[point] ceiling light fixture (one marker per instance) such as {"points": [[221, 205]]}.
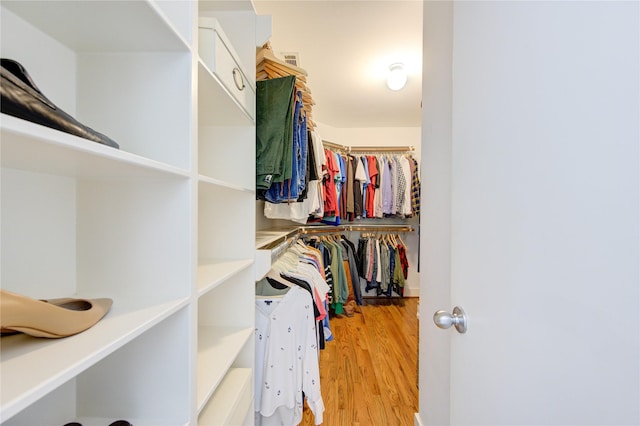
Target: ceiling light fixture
{"points": [[397, 76]]}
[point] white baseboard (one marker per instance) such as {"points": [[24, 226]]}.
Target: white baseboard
{"points": [[416, 420], [411, 292]]}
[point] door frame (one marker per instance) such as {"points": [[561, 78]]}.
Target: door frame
{"points": [[435, 232]]}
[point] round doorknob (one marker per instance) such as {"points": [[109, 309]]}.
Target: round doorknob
{"points": [[458, 319]]}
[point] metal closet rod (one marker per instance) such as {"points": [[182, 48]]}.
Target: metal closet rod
{"points": [[348, 228], [283, 246], [283, 243], [362, 149], [292, 235]]}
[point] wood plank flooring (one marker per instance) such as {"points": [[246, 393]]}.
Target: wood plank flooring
{"points": [[368, 373]]}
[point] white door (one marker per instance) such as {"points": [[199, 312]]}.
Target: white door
{"points": [[531, 184]]}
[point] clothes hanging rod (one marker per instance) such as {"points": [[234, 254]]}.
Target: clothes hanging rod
{"points": [[351, 228], [363, 149], [381, 229], [290, 236], [382, 149], [335, 146], [278, 250], [280, 245], [282, 239]]}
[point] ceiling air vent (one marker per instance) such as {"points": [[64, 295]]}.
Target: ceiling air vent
{"points": [[292, 58]]}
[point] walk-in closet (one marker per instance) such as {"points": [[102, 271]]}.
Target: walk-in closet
{"points": [[344, 223], [157, 268], [256, 212]]}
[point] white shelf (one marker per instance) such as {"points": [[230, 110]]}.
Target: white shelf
{"points": [[102, 26], [32, 147], [164, 225], [231, 402], [217, 350], [32, 367], [212, 272], [264, 238], [102, 421], [217, 183]]}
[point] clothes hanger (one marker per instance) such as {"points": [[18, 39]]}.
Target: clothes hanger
{"points": [[305, 248], [296, 249], [275, 275], [285, 262]]}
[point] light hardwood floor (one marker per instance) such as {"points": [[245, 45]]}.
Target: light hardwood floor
{"points": [[368, 373]]}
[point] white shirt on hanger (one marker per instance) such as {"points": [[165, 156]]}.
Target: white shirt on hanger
{"points": [[286, 359]]}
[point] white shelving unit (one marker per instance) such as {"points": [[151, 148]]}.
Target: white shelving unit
{"points": [[165, 226]]}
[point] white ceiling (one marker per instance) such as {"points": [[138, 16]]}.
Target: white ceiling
{"points": [[346, 47]]}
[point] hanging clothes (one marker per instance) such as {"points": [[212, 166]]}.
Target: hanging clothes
{"points": [[274, 130], [310, 203], [287, 367], [323, 185], [383, 264], [340, 288], [353, 268], [387, 185], [329, 185], [291, 187], [350, 190], [360, 179], [340, 256], [373, 186], [291, 327], [404, 202], [365, 186], [415, 187]]}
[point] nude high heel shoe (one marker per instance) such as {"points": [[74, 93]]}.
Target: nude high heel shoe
{"points": [[53, 318]]}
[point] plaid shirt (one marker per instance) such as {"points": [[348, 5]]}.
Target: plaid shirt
{"points": [[415, 189]]}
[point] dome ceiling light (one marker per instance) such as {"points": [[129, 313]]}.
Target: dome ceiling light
{"points": [[397, 78]]}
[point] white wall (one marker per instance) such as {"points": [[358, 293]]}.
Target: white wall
{"points": [[373, 136]]}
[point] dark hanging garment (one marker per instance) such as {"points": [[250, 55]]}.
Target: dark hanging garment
{"points": [[350, 192], [274, 130], [357, 191], [343, 188], [353, 270], [415, 187], [312, 161]]}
